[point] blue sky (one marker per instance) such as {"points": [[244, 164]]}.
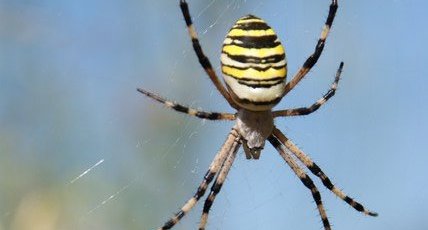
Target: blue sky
{"points": [[68, 74]]}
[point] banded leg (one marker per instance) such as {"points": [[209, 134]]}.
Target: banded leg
{"points": [[187, 110], [203, 60], [305, 159], [218, 183], [216, 164], [306, 180], [314, 107], [310, 62]]}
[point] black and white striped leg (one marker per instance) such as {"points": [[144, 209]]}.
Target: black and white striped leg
{"points": [[307, 161], [203, 60], [183, 109], [314, 107], [218, 183], [306, 180], [215, 166], [310, 62]]}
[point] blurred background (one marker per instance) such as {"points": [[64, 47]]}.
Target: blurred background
{"points": [[80, 148]]}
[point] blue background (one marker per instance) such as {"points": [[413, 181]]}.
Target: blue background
{"points": [[68, 74]]}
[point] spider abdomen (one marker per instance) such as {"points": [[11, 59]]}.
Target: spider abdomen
{"points": [[253, 64]]}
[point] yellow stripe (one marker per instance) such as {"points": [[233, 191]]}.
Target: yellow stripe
{"points": [[253, 52], [251, 33], [254, 74], [249, 20]]}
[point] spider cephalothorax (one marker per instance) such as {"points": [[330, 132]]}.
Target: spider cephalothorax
{"points": [[254, 128], [254, 69]]}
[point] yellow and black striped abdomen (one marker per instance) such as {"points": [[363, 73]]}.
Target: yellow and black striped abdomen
{"points": [[253, 64]]}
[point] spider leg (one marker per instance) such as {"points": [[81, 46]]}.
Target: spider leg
{"points": [[306, 180], [314, 107], [310, 62], [203, 60], [215, 188], [305, 159], [192, 112], [215, 166]]}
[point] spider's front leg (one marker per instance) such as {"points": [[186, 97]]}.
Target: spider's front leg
{"points": [[314, 107], [187, 110], [312, 60], [203, 59]]}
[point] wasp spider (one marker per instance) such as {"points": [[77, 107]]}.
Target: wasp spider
{"points": [[254, 69]]}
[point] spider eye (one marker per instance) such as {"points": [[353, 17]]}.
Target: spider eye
{"points": [[253, 64]]}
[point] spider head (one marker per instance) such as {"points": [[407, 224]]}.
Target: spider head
{"points": [[253, 64]]}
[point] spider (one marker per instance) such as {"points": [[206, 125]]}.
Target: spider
{"points": [[254, 69]]}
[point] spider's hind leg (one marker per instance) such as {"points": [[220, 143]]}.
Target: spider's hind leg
{"points": [[218, 183], [306, 180], [214, 168], [307, 161]]}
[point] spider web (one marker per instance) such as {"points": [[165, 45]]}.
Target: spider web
{"points": [[177, 149], [233, 202], [188, 152], [108, 158], [81, 149]]}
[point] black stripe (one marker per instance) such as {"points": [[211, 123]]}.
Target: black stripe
{"points": [[249, 16], [306, 180], [266, 38], [325, 222], [168, 225], [354, 204], [251, 43], [201, 56], [185, 9], [257, 67], [268, 41], [180, 108], [209, 175], [215, 189], [210, 116], [310, 62], [200, 114], [259, 85], [316, 194], [207, 205], [201, 191], [251, 26], [256, 60], [261, 80], [250, 79], [180, 214], [274, 141], [331, 14], [247, 101], [317, 171]]}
